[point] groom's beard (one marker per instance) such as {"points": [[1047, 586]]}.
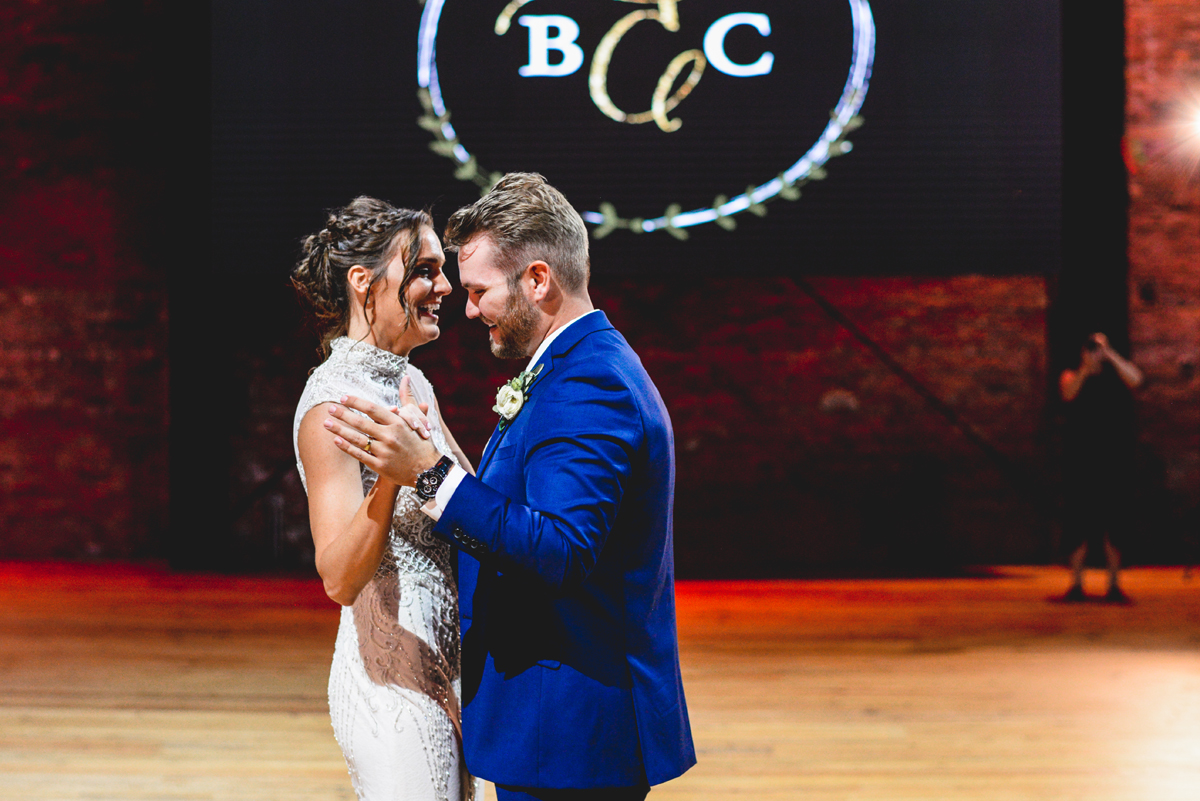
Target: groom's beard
{"points": [[515, 327]]}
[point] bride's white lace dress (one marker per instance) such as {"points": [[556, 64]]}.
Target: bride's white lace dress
{"points": [[394, 683]]}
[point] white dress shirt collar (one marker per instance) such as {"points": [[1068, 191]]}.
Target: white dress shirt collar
{"points": [[546, 342]]}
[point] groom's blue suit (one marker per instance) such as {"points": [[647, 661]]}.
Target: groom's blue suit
{"points": [[566, 579]]}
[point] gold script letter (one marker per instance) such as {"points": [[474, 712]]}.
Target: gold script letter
{"points": [[667, 15]]}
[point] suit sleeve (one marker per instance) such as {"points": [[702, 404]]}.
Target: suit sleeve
{"points": [[579, 458]]}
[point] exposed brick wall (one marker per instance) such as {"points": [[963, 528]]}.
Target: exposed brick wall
{"points": [[852, 467], [83, 375], [83, 367], [1163, 80]]}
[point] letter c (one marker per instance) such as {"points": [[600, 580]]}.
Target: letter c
{"points": [[714, 45], [541, 43]]}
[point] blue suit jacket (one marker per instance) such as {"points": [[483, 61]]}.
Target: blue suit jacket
{"points": [[566, 579]]}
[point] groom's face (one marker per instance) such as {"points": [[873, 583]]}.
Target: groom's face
{"points": [[510, 316]]}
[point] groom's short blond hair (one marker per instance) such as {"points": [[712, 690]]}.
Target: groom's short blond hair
{"points": [[527, 220]]}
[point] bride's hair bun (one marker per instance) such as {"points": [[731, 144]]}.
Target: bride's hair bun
{"points": [[367, 232]]}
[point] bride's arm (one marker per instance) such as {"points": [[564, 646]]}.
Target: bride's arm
{"points": [[350, 531], [463, 461]]}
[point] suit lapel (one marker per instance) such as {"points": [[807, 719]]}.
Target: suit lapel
{"points": [[569, 338], [498, 434], [490, 449]]}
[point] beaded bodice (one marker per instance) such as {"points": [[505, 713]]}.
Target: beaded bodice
{"points": [[356, 368], [406, 618]]}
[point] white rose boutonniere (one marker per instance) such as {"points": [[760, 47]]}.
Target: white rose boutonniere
{"points": [[511, 396], [508, 402]]}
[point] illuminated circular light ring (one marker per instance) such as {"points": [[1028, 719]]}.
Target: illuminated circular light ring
{"points": [[843, 119]]}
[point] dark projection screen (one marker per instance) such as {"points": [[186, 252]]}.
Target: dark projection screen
{"points": [[693, 135]]}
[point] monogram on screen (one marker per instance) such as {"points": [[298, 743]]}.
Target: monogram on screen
{"points": [[554, 52]]}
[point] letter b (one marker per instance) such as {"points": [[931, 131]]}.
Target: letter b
{"points": [[541, 43]]}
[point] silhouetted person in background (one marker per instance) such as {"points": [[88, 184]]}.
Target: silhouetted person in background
{"points": [[1098, 457]]}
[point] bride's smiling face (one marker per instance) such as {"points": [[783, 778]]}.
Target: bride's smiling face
{"points": [[393, 327]]}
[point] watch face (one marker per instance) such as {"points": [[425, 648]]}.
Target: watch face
{"points": [[427, 486], [429, 481]]}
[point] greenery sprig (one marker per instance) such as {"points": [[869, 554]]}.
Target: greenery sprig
{"points": [[471, 171]]}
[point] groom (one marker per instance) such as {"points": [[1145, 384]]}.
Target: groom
{"points": [[571, 682]]}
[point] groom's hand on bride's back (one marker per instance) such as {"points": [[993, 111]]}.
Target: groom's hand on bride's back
{"points": [[394, 442]]}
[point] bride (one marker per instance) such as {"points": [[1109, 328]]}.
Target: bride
{"points": [[373, 277]]}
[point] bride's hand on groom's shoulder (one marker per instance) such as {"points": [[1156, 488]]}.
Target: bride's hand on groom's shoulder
{"points": [[394, 442]]}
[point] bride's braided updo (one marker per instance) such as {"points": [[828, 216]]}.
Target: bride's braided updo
{"points": [[368, 232]]}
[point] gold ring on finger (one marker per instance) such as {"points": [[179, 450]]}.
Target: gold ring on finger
{"points": [[367, 447]]}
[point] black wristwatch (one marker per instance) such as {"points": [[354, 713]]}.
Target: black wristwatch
{"points": [[429, 481]]}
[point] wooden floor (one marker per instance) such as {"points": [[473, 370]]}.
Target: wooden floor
{"points": [[131, 683]]}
